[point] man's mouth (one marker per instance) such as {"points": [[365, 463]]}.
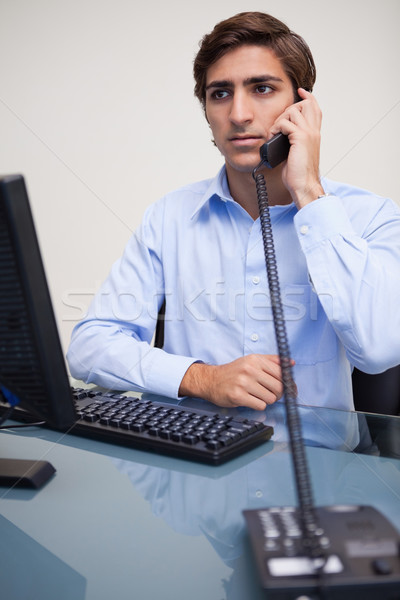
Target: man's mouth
{"points": [[245, 140]]}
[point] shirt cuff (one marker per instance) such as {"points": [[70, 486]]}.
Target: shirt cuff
{"points": [[166, 371], [321, 220]]}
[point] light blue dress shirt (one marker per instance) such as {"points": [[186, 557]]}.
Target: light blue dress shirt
{"points": [[339, 268]]}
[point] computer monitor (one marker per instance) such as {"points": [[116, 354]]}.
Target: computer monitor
{"points": [[32, 365]]}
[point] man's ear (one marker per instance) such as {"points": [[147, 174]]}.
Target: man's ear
{"points": [[296, 95]]}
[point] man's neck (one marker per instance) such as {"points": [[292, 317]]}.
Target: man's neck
{"points": [[243, 189]]}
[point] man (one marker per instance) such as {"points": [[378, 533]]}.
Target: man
{"points": [[200, 249]]}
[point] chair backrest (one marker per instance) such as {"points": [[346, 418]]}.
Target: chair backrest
{"points": [[378, 393], [159, 337]]}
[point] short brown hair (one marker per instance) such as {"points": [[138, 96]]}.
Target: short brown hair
{"points": [[260, 29]]}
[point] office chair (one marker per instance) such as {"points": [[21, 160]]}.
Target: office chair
{"points": [[378, 393], [159, 335]]}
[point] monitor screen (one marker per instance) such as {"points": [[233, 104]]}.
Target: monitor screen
{"points": [[32, 366]]}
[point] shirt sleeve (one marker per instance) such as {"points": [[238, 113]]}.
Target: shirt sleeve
{"points": [[353, 259], [112, 346]]}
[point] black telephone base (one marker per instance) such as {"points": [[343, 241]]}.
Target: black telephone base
{"points": [[361, 549]]}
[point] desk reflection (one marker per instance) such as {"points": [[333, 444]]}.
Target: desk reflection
{"points": [[193, 504]]}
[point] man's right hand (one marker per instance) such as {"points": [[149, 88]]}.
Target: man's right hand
{"points": [[254, 381]]}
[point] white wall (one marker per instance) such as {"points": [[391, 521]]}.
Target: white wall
{"points": [[97, 111]]}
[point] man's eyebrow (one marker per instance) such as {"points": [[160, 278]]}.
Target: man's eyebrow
{"points": [[227, 83], [262, 79], [222, 83]]}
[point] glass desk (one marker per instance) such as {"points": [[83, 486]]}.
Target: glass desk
{"points": [[120, 523]]}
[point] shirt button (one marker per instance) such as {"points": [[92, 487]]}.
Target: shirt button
{"points": [[256, 279], [259, 494], [304, 229], [254, 337]]}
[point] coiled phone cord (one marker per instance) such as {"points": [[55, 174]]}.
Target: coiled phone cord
{"points": [[308, 516]]}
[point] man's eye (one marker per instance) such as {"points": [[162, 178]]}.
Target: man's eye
{"points": [[220, 94], [263, 89]]}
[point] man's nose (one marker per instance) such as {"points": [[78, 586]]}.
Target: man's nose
{"points": [[241, 110]]}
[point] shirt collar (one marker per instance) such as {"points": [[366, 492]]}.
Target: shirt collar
{"points": [[218, 187]]}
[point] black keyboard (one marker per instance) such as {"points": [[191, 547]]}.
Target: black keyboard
{"points": [[165, 428]]}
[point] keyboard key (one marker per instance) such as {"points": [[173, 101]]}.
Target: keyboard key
{"points": [[138, 427], [226, 440], [213, 444], [153, 431], [190, 439]]}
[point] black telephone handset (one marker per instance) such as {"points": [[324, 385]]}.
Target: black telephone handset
{"points": [[275, 151]]}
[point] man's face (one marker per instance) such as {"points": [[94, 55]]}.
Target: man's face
{"points": [[246, 90]]}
